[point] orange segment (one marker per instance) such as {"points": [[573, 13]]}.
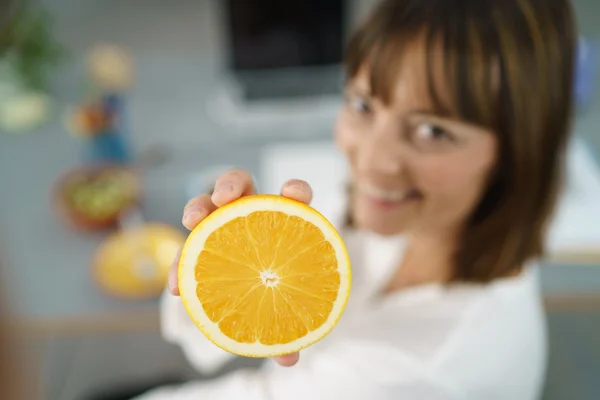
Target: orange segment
{"points": [[265, 275]]}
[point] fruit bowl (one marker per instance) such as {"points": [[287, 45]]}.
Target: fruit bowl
{"points": [[96, 196]]}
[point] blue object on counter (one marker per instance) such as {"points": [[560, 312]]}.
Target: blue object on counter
{"points": [[113, 145], [108, 147], [585, 66]]}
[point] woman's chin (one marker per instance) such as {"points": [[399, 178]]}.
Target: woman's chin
{"points": [[385, 220], [380, 226]]}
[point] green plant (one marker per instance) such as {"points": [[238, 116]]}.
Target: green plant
{"points": [[28, 46]]}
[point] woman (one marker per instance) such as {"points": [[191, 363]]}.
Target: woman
{"points": [[454, 125]]}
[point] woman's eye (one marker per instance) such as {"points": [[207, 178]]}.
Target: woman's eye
{"points": [[432, 132], [432, 138], [359, 104]]}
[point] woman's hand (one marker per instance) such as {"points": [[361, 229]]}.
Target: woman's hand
{"points": [[229, 187]]}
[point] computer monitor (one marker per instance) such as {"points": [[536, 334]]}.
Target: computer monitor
{"points": [[285, 48]]}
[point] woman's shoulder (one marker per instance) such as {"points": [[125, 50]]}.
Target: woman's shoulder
{"points": [[429, 320], [465, 333], [503, 333]]}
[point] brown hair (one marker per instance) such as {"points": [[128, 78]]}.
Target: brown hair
{"points": [[508, 66]]}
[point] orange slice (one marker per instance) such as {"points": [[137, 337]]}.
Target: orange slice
{"points": [[264, 276]]}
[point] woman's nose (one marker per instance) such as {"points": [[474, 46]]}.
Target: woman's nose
{"points": [[379, 152]]}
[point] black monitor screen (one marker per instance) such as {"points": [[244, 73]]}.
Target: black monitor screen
{"points": [[267, 34]]}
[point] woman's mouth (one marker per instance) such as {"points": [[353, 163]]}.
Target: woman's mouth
{"points": [[388, 198]]}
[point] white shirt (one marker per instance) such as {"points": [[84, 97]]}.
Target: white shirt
{"points": [[429, 342]]}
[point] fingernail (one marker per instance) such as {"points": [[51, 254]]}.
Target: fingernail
{"points": [[226, 187], [294, 186], [193, 209], [193, 216]]}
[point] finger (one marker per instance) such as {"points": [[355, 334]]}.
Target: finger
{"points": [[231, 186], [288, 360], [196, 210], [297, 189], [173, 281]]}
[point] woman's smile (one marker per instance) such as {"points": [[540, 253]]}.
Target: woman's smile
{"points": [[384, 198]]}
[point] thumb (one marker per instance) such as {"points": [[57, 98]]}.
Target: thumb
{"points": [[288, 360]]}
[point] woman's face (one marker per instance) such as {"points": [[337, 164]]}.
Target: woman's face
{"points": [[411, 169]]}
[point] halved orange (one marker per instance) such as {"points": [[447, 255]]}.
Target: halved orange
{"points": [[264, 276]]}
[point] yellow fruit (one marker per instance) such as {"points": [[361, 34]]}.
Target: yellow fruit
{"points": [[134, 262], [264, 276]]}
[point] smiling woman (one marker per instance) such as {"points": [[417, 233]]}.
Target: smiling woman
{"points": [[454, 127], [469, 119]]}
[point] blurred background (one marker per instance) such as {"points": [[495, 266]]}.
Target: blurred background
{"points": [[114, 113]]}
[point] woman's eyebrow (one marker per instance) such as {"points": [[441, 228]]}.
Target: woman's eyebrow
{"points": [[433, 114], [424, 113]]}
